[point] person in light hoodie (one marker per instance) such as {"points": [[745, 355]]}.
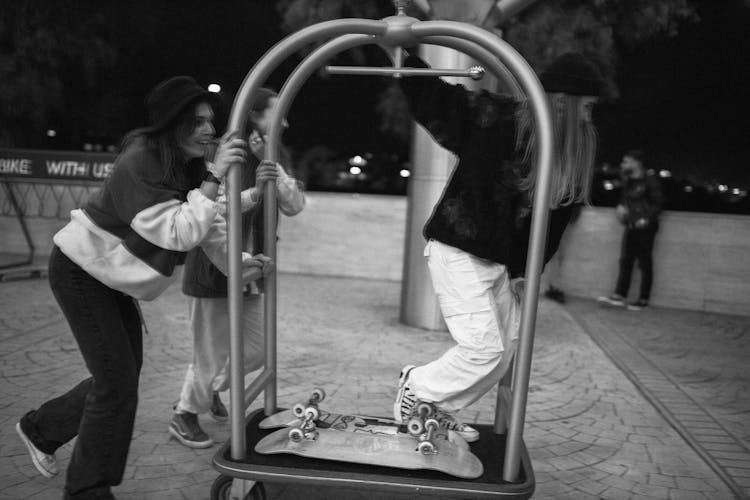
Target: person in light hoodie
{"points": [[206, 288], [126, 244]]}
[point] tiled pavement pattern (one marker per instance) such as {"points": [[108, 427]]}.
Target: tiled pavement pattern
{"points": [[590, 431], [693, 368]]}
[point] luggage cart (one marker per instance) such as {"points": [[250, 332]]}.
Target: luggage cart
{"points": [[508, 472]]}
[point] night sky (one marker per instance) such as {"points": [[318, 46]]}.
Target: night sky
{"points": [[683, 100], [686, 100]]}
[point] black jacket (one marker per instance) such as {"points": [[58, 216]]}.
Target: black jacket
{"points": [[481, 211]]}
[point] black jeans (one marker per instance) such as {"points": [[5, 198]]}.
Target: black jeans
{"points": [[100, 410], [637, 244]]}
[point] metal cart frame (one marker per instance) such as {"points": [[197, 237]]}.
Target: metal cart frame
{"points": [[391, 33]]}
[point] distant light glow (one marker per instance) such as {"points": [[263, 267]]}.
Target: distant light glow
{"points": [[723, 188], [357, 161], [51, 133], [665, 173], [688, 189], [608, 185], [736, 191], [355, 170], [215, 88], [404, 173]]}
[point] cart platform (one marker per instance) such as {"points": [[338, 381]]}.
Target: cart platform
{"points": [[285, 468]]}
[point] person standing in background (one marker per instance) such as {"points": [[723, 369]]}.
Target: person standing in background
{"points": [[640, 205]]}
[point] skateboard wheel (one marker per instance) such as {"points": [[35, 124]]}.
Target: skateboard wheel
{"points": [[424, 410], [318, 395], [415, 426], [431, 424], [311, 413], [426, 448], [298, 410], [296, 435]]}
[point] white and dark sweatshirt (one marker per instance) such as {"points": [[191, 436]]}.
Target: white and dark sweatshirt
{"points": [[137, 229]]}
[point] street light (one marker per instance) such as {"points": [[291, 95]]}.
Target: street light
{"points": [[215, 88]]}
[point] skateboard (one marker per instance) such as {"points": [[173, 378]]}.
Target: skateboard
{"points": [[420, 444], [356, 423]]}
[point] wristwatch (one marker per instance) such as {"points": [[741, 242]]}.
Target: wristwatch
{"points": [[210, 177]]}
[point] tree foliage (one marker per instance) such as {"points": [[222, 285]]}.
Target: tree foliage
{"points": [[597, 28], [52, 55], [545, 30]]}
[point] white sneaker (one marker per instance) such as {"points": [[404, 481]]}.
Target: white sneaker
{"points": [[45, 464], [405, 399], [447, 419], [613, 300]]}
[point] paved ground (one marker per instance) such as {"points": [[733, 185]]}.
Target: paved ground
{"points": [[621, 404]]}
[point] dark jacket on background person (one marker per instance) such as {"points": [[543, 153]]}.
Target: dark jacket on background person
{"points": [[643, 199], [481, 211]]}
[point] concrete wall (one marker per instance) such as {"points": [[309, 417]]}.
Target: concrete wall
{"points": [[701, 261]]}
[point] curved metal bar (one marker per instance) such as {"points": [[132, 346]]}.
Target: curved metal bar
{"points": [[473, 73], [480, 54], [532, 88], [237, 122], [422, 31]]}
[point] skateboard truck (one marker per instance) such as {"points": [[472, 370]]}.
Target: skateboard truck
{"points": [[423, 426], [308, 414]]}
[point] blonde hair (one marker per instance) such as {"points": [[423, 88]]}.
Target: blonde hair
{"points": [[573, 156]]}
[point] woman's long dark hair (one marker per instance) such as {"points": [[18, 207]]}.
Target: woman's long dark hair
{"points": [[179, 173]]}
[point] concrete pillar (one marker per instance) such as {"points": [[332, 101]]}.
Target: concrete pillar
{"points": [[431, 168]]}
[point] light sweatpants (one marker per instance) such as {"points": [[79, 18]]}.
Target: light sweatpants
{"points": [[483, 316], [209, 322]]}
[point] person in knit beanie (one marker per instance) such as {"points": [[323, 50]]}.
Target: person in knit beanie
{"points": [[478, 233]]}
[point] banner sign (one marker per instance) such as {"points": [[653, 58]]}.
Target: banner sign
{"points": [[39, 164]]}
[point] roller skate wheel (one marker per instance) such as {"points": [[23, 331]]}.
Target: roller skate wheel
{"points": [[415, 426], [318, 395], [296, 435], [298, 410], [426, 448], [311, 413], [424, 410]]}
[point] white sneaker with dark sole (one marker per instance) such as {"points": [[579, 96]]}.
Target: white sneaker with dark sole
{"points": [[45, 464]]}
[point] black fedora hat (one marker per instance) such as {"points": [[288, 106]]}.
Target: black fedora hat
{"points": [[167, 100]]}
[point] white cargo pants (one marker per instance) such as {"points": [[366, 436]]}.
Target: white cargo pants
{"points": [[483, 316], [209, 322]]}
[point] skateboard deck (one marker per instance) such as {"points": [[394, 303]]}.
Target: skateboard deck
{"points": [[375, 449], [357, 423]]}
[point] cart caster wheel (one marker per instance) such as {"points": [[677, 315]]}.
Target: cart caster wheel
{"points": [[415, 426], [221, 489], [426, 448], [296, 435], [318, 395], [299, 410]]}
